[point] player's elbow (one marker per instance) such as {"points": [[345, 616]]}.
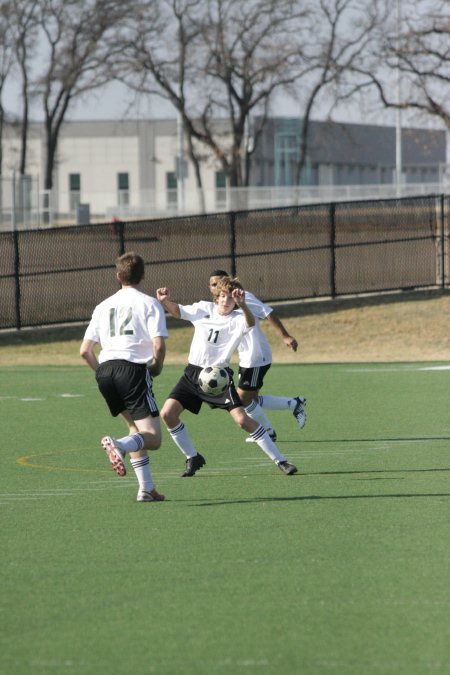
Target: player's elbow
{"points": [[84, 353], [85, 350]]}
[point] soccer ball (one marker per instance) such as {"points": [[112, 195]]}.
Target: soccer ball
{"points": [[213, 380]]}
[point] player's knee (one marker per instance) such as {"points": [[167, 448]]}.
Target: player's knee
{"points": [[168, 417], [246, 396], [154, 443], [241, 419]]}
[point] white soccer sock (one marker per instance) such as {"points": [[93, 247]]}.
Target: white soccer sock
{"points": [[275, 402], [130, 443], [141, 466], [266, 444], [255, 411], [181, 438]]}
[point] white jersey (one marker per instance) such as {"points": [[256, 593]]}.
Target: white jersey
{"points": [[216, 337], [254, 349], [125, 324]]}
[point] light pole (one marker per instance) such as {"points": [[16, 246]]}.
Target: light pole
{"points": [[398, 126], [180, 164]]}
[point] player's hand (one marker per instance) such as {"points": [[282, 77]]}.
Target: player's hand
{"points": [[162, 294], [291, 342], [153, 367], [238, 295]]}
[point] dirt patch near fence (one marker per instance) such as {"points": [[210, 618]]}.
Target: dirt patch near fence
{"points": [[397, 327]]}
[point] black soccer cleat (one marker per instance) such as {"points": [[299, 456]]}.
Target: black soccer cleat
{"points": [[288, 469], [193, 464]]}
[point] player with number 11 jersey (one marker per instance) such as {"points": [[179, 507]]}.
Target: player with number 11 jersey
{"points": [[216, 336]]}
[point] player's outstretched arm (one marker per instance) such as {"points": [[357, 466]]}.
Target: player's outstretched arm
{"points": [[238, 295], [163, 296], [288, 340]]}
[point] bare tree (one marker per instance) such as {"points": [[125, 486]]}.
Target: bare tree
{"points": [[221, 63], [253, 50], [24, 18], [6, 60], [341, 33], [215, 60], [422, 54], [412, 45], [159, 45], [77, 43]]}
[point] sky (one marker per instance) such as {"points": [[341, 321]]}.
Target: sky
{"points": [[116, 102]]}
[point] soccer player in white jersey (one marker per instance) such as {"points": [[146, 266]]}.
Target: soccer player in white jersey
{"points": [[255, 359], [131, 328], [218, 329]]}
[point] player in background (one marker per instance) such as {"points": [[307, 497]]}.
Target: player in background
{"points": [[218, 329], [131, 328], [255, 359]]}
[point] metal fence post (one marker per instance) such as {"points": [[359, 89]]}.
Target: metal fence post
{"points": [[13, 202], [121, 233], [446, 240], [232, 221], [17, 279], [442, 239], [333, 250]]}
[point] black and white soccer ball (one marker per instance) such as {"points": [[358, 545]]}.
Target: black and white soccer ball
{"points": [[213, 380]]}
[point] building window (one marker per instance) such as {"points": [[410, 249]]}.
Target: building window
{"points": [[171, 189], [287, 144], [26, 191], [74, 191], [123, 189], [221, 189]]}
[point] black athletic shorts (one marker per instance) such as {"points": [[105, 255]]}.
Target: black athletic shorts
{"points": [[188, 393], [127, 386], [251, 379]]}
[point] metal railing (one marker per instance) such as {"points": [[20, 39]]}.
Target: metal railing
{"points": [[24, 206]]}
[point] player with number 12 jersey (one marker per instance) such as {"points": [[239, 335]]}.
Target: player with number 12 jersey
{"points": [[125, 324]]}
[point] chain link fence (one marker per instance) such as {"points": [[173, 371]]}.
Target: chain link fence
{"points": [[55, 276]]}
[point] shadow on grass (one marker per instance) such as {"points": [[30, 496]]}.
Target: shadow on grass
{"points": [[364, 471], [307, 498], [399, 439]]}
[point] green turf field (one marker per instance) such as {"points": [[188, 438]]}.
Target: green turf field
{"points": [[342, 569]]}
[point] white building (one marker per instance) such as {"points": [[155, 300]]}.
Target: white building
{"points": [[128, 169]]}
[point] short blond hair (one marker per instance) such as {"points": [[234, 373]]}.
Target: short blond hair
{"points": [[227, 285]]}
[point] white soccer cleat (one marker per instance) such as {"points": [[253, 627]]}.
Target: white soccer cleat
{"points": [[149, 496], [299, 411], [114, 455]]}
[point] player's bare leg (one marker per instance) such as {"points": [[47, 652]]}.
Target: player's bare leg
{"points": [[171, 416], [262, 438]]}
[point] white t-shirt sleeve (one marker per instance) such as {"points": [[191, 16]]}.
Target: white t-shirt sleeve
{"points": [[196, 311], [256, 306], [156, 320], [93, 330]]}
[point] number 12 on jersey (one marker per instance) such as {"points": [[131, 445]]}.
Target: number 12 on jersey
{"points": [[120, 321]]}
